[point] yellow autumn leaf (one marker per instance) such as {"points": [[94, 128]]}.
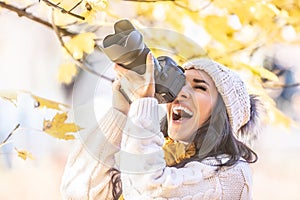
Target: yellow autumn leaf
{"points": [[227, 61], [169, 43], [249, 11], [42, 102], [8, 94], [294, 16], [222, 56], [97, 5], [283, 4], [59, 129], [81, 43], [144, 9], [175, 16], [24, 154], [240, 8], [221, 31], [297, 28], [89, 16], [262, 72], [66, 72], [263, 10], [279, 118]]}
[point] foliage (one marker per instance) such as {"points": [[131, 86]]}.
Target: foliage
{"points": [[22, 110], [232, 32], [58, 128], [24, 154]]}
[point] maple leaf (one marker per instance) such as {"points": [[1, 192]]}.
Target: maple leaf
{"points": [[58, 128], [24, 154], [98, 5], [42, 102], [261, 72], [81, 43], [12, 96], [66, 73]]}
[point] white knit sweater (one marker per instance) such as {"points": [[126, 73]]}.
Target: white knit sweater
{"points": [[141, 161]]}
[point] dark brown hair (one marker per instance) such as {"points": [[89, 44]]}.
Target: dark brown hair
{"points": [[214, 138]]}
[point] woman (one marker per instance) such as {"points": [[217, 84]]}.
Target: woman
{"points": [[202, 157]]}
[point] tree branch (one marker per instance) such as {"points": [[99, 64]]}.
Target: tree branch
{"points": [[22, 12], [69, 12], [77, 62], [281, 86]]}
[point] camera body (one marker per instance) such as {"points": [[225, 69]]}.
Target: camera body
{"points": [[126, 48]]}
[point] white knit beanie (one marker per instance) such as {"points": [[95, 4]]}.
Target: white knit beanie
{"points": [[231, 88]]}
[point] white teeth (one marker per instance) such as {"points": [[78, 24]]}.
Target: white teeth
{"points": [[176, 110]]}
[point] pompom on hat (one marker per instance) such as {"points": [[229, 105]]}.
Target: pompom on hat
{"points": [[240, 106]]}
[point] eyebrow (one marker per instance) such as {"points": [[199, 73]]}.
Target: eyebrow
{"points": [[200, 81]]}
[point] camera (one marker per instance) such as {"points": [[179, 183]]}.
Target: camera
{"points": [[127, 48]]}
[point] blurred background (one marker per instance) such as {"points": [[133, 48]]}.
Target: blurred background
{"points": [[31, 58]]}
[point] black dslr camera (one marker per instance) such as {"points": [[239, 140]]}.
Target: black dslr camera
{"points": [[126, 48]]}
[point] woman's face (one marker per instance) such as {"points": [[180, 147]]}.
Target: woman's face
{"points": [[192, 107]]}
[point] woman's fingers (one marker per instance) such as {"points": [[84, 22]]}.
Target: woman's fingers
{"points": [[150, 66], [120, 70], [136, 85], [116, 84]]}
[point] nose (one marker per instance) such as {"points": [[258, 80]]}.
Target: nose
{"points": [[184, 93]]}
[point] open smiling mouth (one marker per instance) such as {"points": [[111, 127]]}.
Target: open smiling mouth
{"points": [[180, 113]]}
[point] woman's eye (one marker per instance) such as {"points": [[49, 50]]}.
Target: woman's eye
{"points": [[200, 87]]}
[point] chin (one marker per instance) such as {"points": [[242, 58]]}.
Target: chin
{"points": [[177, 136]]}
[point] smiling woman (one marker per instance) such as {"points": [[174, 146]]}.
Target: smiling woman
{"points": [[192, 107], [196, 153]]}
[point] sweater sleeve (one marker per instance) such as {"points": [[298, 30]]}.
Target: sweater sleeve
{"points": [[144, 172], [86, 174]]}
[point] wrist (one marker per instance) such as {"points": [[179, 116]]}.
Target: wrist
{"points": [[122, 107], [144, 107]]}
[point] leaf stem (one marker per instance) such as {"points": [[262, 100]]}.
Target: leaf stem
{"points": [[10, 134]]}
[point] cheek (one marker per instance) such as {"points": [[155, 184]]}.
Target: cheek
{"points": [[204, 109], [168, 111]]}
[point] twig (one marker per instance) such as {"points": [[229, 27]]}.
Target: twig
{"points": [[76, 6], [77, 62], [10, 134], [280, 86], [22, 12], [69, 12], [29, 6]]}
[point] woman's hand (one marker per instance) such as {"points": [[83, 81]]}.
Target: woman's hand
{"points": [[119, 102], [135, 85]]}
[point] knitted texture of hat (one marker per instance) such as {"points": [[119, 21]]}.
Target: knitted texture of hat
{"points": [[231, 88]]}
